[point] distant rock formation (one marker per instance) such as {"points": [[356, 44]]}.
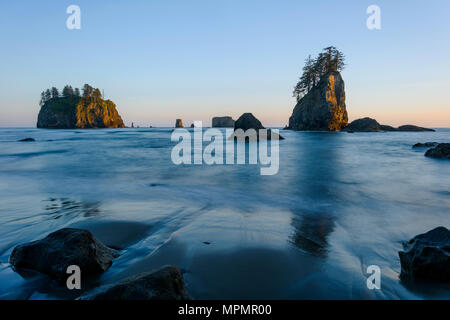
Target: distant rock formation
{"points": [[441, 151], [372, 125], [166, 283], [61, 249], [222, 122], [248, 121], [192, 125], [179, 123], [412, 128], [27, 140], [323, 107], [79, 112], [426, 256]]}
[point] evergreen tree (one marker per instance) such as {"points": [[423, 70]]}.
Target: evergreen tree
{"points": [[42, 101], [77, 92], [87, 91], [54, 92], [67, 91], [329, 60], [48, 95], [97, 94]]}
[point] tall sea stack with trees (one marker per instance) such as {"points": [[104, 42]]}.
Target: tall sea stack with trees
{"points": [[320, 94], [71, 110]]}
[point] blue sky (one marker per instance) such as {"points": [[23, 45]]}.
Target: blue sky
{"points": [[195, 59]]}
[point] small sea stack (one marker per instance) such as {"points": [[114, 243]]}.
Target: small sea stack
{"points": [[178, 123]]}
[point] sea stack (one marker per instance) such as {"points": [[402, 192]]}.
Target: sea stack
{"points": [[222, 122], [179, 123], [71, 112], [323, 107]]}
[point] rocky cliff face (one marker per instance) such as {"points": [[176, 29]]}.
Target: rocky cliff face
{"points": [[222, 122], [323, 107], [75, 112]]}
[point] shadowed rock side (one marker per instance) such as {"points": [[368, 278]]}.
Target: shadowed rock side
{"points": [[427, 256], [248, 121], [164, 284], [323, 107], [441, 151], [53, 254], [222, 122], [79, 112]]}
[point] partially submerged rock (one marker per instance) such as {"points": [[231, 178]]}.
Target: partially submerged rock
{"points": [[222, 122], [248, 121], [425, 145], [363, 125], [179, 123], [164, 284], [323, 107], [441, 151], [412, 128], [53, 254], [427, 256], [27, 140]]}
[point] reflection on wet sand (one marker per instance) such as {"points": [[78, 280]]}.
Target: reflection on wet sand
{"points": [[58, 208]]}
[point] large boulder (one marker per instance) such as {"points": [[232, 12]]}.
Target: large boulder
{"points": [[164, 284], [363, 125], [248, 121], [53, 254], [441, 151], [222, 122], [323, 107], [412, 128], [427, 256], [79, 112]]}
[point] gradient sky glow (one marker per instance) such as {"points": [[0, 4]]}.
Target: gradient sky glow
{"points": [[195, 59]]}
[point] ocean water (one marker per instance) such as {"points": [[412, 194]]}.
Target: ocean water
{"points": [[339, 203]]}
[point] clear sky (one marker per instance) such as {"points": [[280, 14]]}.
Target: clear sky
{"points": [[194, 59]]}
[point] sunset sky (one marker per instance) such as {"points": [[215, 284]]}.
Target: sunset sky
{"points": [[195, 59]]}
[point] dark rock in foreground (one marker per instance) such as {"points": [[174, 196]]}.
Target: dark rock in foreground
{"points": [[222, 122], [427, 256], [164, 284], [363, 125], [412, 128], [323, 107], [27, 140], [248, 121], [425, 145], [179, 123], [53, 254], [441, 151]]}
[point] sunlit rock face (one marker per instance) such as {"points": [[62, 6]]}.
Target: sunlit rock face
{"points": [[77, 112], [323, 107], [179, 123]]}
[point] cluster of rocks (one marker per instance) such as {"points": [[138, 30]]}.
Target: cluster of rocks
{"points": [[435, 149], [69, 246]]}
